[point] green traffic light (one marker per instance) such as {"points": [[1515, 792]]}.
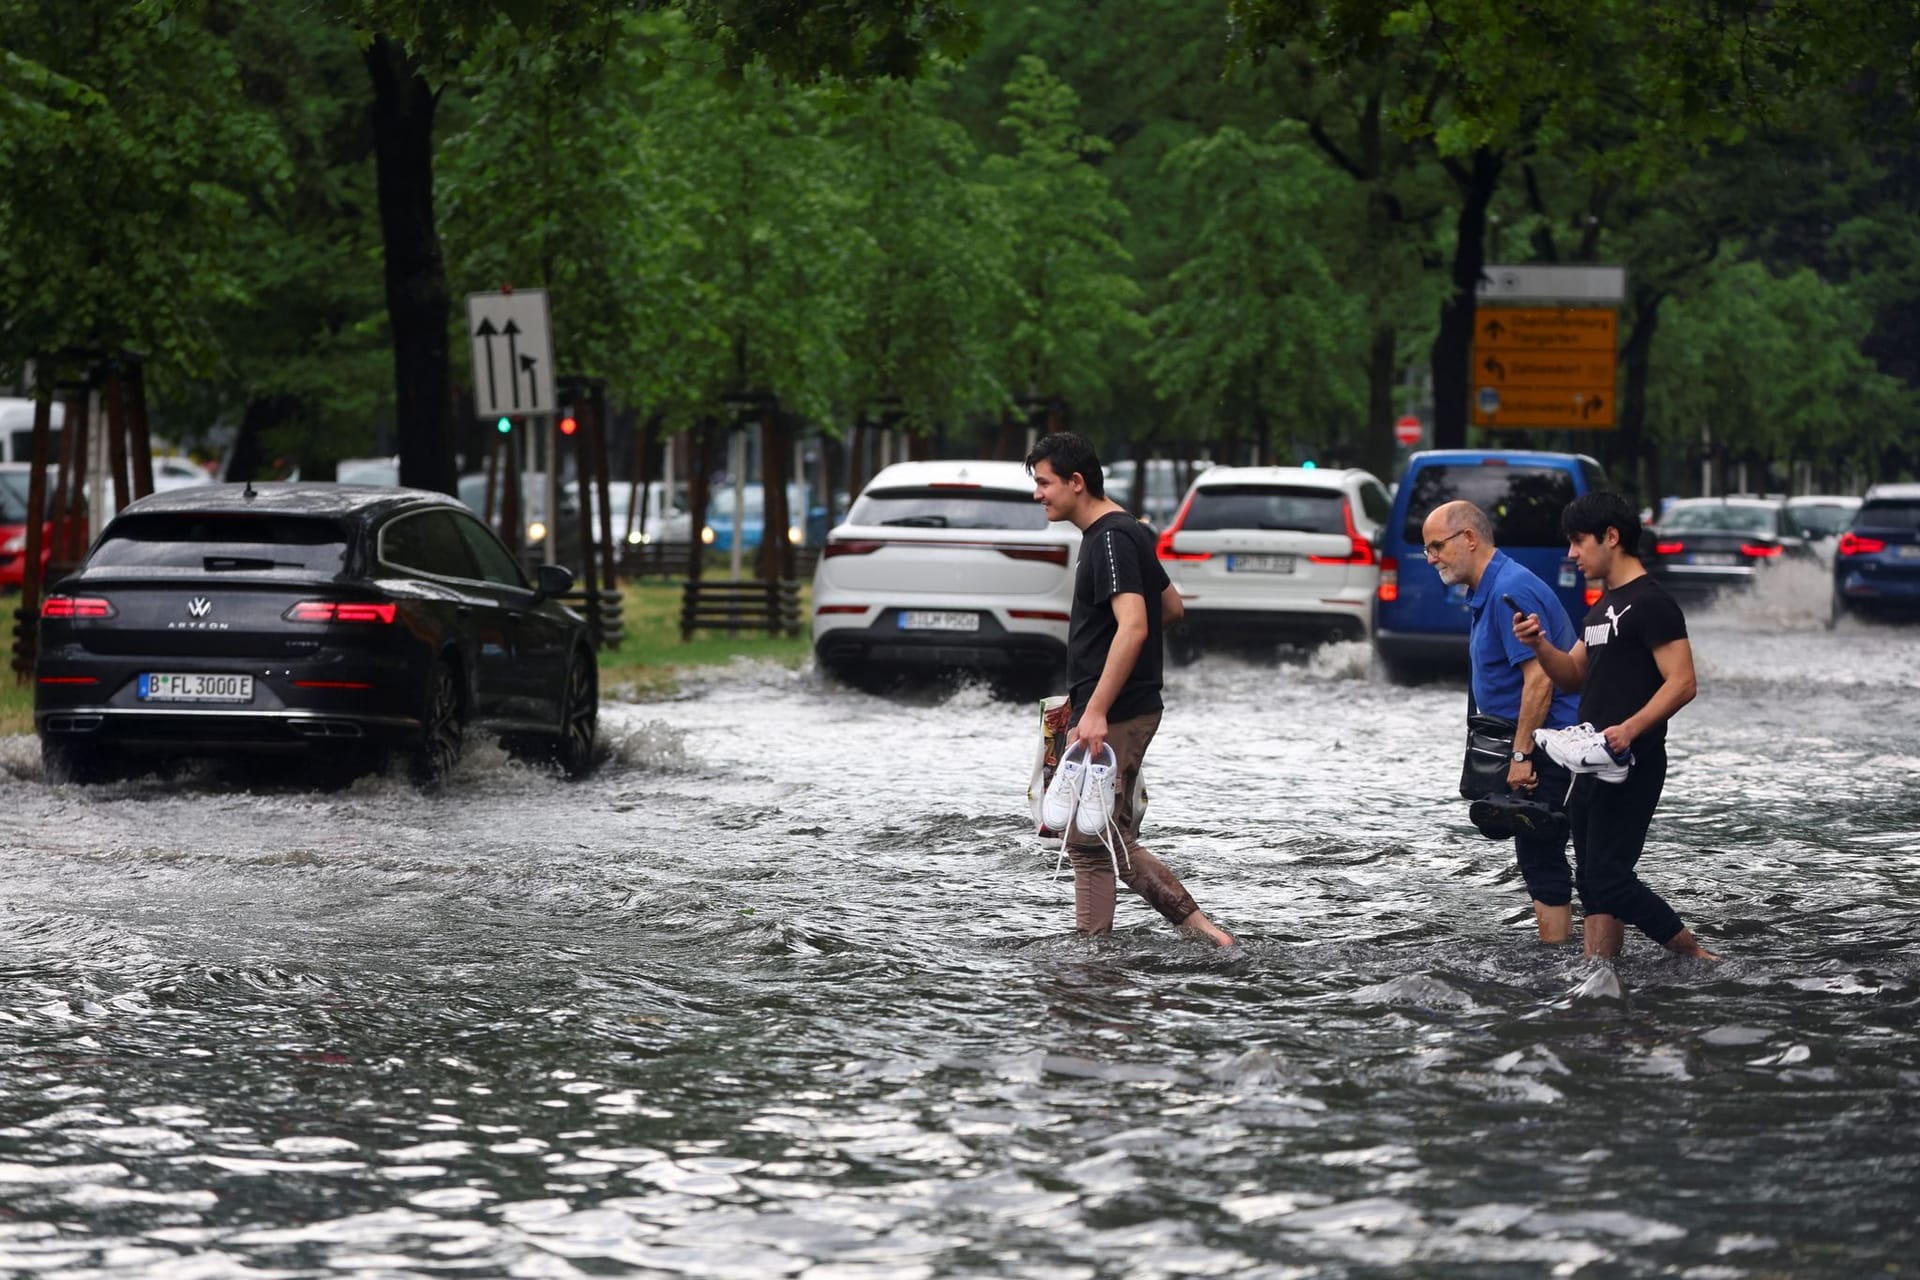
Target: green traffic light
{"points": [[1309, 464], [505, 424]]}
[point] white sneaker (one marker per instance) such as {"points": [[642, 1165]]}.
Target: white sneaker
{"points": [[1581, 748], [1063, 793], [1095, 810]]}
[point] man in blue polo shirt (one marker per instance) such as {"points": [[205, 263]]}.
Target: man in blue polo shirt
{"points": [[1508, 681]]}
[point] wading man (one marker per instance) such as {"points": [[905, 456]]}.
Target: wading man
{"points": [[1121, 600], [1633, 667], [1509, 682]]}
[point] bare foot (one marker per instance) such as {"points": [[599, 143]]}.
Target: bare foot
{"points": [[1685, 944], [1198, 923]]}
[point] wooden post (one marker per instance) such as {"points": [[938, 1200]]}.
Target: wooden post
{"points": [[596, 422], [117, 437], [589, 494], [137, 420], [80, 519]]}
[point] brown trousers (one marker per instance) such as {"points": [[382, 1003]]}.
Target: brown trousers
{"points": [[1146, 875]]}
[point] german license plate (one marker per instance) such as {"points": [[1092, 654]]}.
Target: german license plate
{"points": [[1259, 564], [1908, 552], [938, 620], [1711, 557], [162, 686]]}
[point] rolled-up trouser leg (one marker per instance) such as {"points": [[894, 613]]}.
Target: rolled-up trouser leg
{"points": [[1143, 873]]}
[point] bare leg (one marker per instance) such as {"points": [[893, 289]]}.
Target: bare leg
{"points": [[1198, 923], [1684, 943], [1556, 923], [1605, 935]]}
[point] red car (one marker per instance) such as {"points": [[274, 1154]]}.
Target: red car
{"points": [[13, 525]]}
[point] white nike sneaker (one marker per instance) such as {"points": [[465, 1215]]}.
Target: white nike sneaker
{"points": [[1097, 793], [1581, 748], [1063, 793]]}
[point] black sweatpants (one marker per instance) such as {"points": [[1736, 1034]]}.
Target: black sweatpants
{"points": [[1543, 859], [1610, 821]]}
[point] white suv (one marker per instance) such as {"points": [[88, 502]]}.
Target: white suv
{"points": [[1271, 554], [946, 565]]}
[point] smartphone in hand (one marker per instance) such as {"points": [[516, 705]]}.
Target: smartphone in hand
{"points": [[1508, 601]]}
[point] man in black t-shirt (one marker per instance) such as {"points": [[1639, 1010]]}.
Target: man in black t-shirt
{"points": [[1121, 597], [1633, 668]]}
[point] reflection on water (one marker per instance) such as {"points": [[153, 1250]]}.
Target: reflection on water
{"points": [[786, 991]]}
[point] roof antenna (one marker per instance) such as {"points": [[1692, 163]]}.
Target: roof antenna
{"points": [[248, 492]]}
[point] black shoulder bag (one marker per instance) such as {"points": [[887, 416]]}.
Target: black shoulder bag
{"points": [[1489, 752]]}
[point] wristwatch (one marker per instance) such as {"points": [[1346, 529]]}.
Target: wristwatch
{"points": [[1521, 757]]}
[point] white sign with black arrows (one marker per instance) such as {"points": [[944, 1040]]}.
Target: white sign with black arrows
{"points": [[512, 353]]}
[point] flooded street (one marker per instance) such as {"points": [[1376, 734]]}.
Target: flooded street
{"points": [[786, 990]]}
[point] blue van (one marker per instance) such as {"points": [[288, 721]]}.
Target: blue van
{"points": [[1420, 623]]}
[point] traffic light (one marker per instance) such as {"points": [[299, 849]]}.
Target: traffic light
{"points": [[1309, 464], [505, 425], [568, 424]]}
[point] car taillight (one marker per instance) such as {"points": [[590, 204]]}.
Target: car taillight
{"points": [[849, 548], [1759, 550], [1359, 550], [1852, 544], [76, 607], [1591, 595], [1040, 615], [1163, 549], [339, 611], [1051, 555], [1389, 588], [842, 608], [1669, 548]]}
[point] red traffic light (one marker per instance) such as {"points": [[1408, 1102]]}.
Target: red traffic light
{"points": [[569, 425]]}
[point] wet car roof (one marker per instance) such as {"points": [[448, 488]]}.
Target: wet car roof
{"points": [[311, 499]]}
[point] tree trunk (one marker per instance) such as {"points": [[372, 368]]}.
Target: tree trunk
{"points": [[776, 452], [1453, 345], [1376, 439], [1630, 437], [418, 309]]}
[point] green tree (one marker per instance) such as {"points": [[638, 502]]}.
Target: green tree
{"points": [[1067, 259], [1256, 319]]}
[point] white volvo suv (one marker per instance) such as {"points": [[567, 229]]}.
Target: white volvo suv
{"points": [[946, 565], [1264, 555]]}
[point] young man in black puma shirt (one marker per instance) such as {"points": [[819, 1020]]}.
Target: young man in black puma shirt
{"points": [[1121, 597], [1633, 668]]}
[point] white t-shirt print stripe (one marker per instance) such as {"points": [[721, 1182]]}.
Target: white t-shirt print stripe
{"points": [[1113, 569]]}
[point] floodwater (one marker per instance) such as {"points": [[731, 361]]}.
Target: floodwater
{"points": [[787, 990]]}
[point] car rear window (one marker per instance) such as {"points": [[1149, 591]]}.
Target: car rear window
{"points": [[1523, 502], [1820, 520], [1267, 506], [1721, 518], [13, 498], [936, 507], [223, 543], [1889, 513]]}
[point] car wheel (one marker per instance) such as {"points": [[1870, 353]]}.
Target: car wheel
{"points": [[579, 716], [443, 727], [79, 763]]}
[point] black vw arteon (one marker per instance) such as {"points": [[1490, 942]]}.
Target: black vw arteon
{"points": [[341, 621]]}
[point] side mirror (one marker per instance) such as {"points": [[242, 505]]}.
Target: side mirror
{"points": [[551, 580]]}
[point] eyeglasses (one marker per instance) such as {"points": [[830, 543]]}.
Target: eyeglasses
{"points": [[1435, 547]]}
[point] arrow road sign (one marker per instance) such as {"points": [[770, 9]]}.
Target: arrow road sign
{"points": [[1544, 367], [512, 353]]}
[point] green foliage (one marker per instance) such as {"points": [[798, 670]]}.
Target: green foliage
{"points": [[1772, 367], [1256, 319], [1067, 260], [131, 162]]}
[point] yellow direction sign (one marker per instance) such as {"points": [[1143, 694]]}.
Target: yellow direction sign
{"points": [[1544, 367]]}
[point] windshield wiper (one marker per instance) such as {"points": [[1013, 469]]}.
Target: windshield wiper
{"points": [[215, 564], [919, 522]]}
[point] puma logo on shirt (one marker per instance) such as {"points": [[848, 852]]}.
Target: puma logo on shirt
{"points": [[1601, 632]]}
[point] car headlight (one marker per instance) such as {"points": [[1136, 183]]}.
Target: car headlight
{"points": [[15, 545], [706, 535], [794, 535], [537, 531], [635, 538]]}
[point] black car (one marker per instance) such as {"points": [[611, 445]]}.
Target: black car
{"points": [[1704, 545], [339, 621]]}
